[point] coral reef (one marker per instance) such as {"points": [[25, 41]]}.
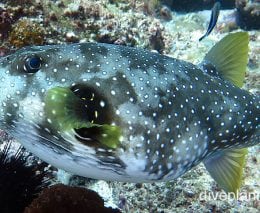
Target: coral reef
{"points": [[25, 33], [228, 23], [21, 179], [248, 14], [19, 2], [68, 199]]}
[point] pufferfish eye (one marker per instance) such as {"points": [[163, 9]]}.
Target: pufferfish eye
{"points": [[32, 64]]}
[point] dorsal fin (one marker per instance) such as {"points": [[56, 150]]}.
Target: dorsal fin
{"points": [[229, 57]]}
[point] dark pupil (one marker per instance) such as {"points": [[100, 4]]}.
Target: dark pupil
{"points": [[33, 64]]}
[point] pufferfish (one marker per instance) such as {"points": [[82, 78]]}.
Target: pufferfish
{"points": [[126, 114]]}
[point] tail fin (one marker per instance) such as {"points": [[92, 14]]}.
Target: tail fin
{"points": [[230, 56]]}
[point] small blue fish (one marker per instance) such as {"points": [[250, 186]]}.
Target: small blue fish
{"points": [[213, 19], [126, 114]]}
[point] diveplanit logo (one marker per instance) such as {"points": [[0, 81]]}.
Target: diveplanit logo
{"points": [[227, 196]]}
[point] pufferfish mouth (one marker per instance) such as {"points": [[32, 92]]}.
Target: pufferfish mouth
{"points": [[85, 111]]}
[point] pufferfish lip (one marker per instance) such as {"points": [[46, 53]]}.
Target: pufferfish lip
{"points": [[84, 110]]}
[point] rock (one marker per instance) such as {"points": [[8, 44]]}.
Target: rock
{"points": [[67, 199], [248, 14], [165, 13], [71, 37], [5, 24]]}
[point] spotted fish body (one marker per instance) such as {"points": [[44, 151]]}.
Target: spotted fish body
{"points": [[166, 115]]}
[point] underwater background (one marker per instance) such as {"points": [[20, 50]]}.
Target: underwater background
{"points": [[172, 28]]}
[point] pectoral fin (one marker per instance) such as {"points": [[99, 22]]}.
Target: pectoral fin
{"points": [[226, 168]]}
